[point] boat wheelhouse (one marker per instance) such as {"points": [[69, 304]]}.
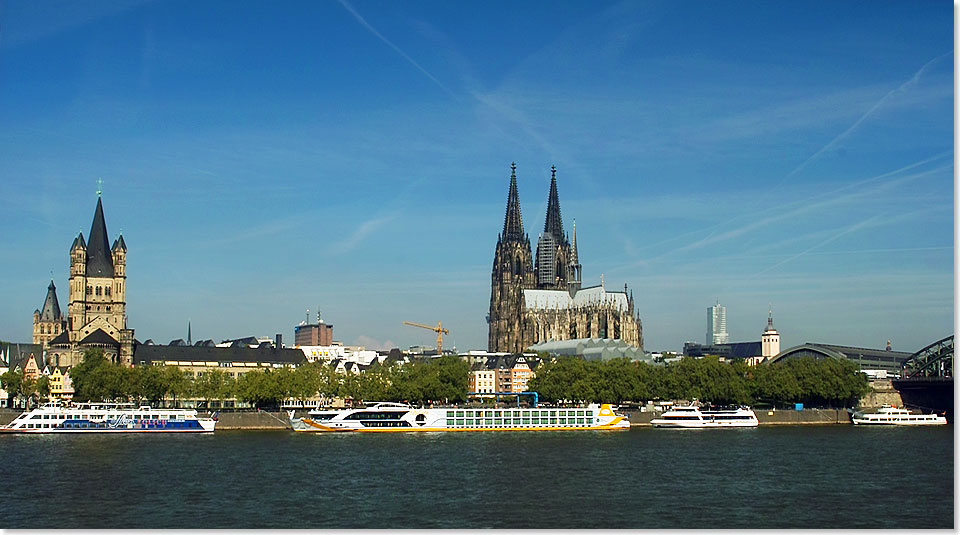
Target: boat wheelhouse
{"points": [[55, 417], [692, 417], [399, 417], [889, 415]]}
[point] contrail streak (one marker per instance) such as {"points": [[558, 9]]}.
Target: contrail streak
{"points": [[903, 87], [363, 22]]}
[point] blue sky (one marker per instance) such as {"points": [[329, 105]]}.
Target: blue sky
{"points": [[262, 160]]}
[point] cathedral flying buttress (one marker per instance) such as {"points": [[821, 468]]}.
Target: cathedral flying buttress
{"points": [[539, 299]]}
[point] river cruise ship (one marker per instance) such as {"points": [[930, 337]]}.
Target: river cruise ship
{"points": [[692, 417], [889, 415], [399, 417], [55, 417]]}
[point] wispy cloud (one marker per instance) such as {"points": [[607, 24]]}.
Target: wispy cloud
{"points": [[358, 236]]}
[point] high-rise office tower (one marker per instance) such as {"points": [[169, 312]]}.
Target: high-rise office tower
{"points": [[717, 325]]}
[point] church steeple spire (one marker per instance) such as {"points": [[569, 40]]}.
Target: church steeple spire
{"points": [[513, 221], [51, 307], [99, 259], [553, 224]]}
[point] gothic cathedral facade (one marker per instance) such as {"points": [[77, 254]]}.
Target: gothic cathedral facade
{"points": [[96, 311], [539, 299]]}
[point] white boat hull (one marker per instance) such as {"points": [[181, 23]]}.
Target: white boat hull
{"points": [[896, 416], [396, 418]]}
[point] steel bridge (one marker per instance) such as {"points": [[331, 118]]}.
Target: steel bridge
{"points": [[935, 360], [927, 379]]}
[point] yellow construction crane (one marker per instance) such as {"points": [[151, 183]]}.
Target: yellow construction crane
{"points": [[438, 329]]}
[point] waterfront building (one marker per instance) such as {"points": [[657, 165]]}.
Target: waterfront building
{"points": [[61, 386], [313, 334], [502, 373], [234, 361], [537, 302], [253, 342], [25, 359], [96, 310], [728, 351], [482, 380], [717, 325], [519, 375], [361, 356]]}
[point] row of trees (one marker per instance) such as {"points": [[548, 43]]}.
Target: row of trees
{"points": [[18, 385], [96, 378], [818, 383]]}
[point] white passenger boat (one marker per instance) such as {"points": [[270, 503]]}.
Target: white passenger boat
{"points": [[889, 415], [399, 417], [691, 417], [55, 417]]}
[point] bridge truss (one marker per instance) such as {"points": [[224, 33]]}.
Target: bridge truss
{"points": [[935, 360]]}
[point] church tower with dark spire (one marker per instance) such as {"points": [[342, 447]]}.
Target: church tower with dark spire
{"points": [[512, 272], [97, 315]]}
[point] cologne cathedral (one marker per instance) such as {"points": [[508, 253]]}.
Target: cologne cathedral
{"points": [[540, 299], [96, 311]]}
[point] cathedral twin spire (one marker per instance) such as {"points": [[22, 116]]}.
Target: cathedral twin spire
{"points": [[513, 221], [553, 223], [557, 264]]}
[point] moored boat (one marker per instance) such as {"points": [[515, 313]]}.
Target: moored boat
{"points": [[398, 417], [55, 417], [692, 417], [890, 415]]}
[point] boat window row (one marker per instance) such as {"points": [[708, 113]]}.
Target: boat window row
{"points": [[382, 415], [520, 413], [65, 416], [514, 422], [384, 423]]}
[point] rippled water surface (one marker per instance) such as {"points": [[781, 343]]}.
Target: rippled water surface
{"points": [[774, 477]]}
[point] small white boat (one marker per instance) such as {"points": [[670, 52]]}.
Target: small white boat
{"points": [[890, 415], [691, 417]]}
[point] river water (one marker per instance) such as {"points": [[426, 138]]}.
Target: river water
{"points": [[834, 476]]}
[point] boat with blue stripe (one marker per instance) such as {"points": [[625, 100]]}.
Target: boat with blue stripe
{"points": [[55, 417]]}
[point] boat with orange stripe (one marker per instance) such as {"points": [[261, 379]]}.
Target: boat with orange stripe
{"points": [[385, 417]]}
